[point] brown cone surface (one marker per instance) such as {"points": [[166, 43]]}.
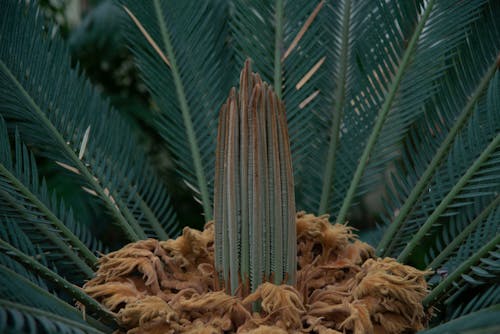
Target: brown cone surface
{"points": [[168, 287]]}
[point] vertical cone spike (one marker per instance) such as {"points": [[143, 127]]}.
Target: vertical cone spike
{"points": [[255, 235]]}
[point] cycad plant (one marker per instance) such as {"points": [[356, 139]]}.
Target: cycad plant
{"points": [[400, 98]]}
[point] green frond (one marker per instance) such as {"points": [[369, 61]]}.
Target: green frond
{"points": [[18, 318], [460, 195], [209, 43], [91, 305], [80, 132], [12, 233], [434, 55], [390, 61], [424, 176], [420, 36], [482, 322], [39, 216], [481, 267], [189, 91], [16, 289], [459, 228], [364, 40], [469, 173], [478, 237], [486, 298]]}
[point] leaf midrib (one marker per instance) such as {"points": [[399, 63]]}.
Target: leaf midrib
{"points": [[448, 199], [382, 115], [443, 149], [457, 241], [186, 115], [51, 316], [74, 291], [53, 298], [444, 286], [340, 85], [278, 42], [55, 239], [132, 234]]}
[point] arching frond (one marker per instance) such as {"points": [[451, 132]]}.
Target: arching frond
{"points": [[425, 177], [73, 126], [91, 305], [387, 58], [14, 288], [480, 268], [13, 234], [205, 44], [456, 232], [188, 81], [488, 297], [470, 173], [484, 321], [18, 318], [28, 204]]}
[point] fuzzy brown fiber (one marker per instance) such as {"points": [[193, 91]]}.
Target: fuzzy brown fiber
{"points": [[170, 287]]}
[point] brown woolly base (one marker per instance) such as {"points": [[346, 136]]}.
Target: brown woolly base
{"points": [[168, 287]]}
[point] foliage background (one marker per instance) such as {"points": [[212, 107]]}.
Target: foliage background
{"points": [[92, 30]]}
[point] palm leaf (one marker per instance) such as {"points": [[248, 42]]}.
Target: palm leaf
{"points": [[17, 289], [480, 268], [456, 232], [190, 87], [431, 62], [481, 322], [80, 131], [389, 72], [17, 318], [364, 39], [489, 297], [40, 217], [11, 233], [50, 276], [448, 117], [420, 37], [470, 172]]}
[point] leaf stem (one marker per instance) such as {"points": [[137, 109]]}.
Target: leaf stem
{"points": [[443, 287], [68, 152], [464, 234], [73, 240], [188, 123], [53, 237], [415, 241], [150, 215], [50, 316], [340, 86], [382, 115], [49, 297], [74, 291], [416, 191]]}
